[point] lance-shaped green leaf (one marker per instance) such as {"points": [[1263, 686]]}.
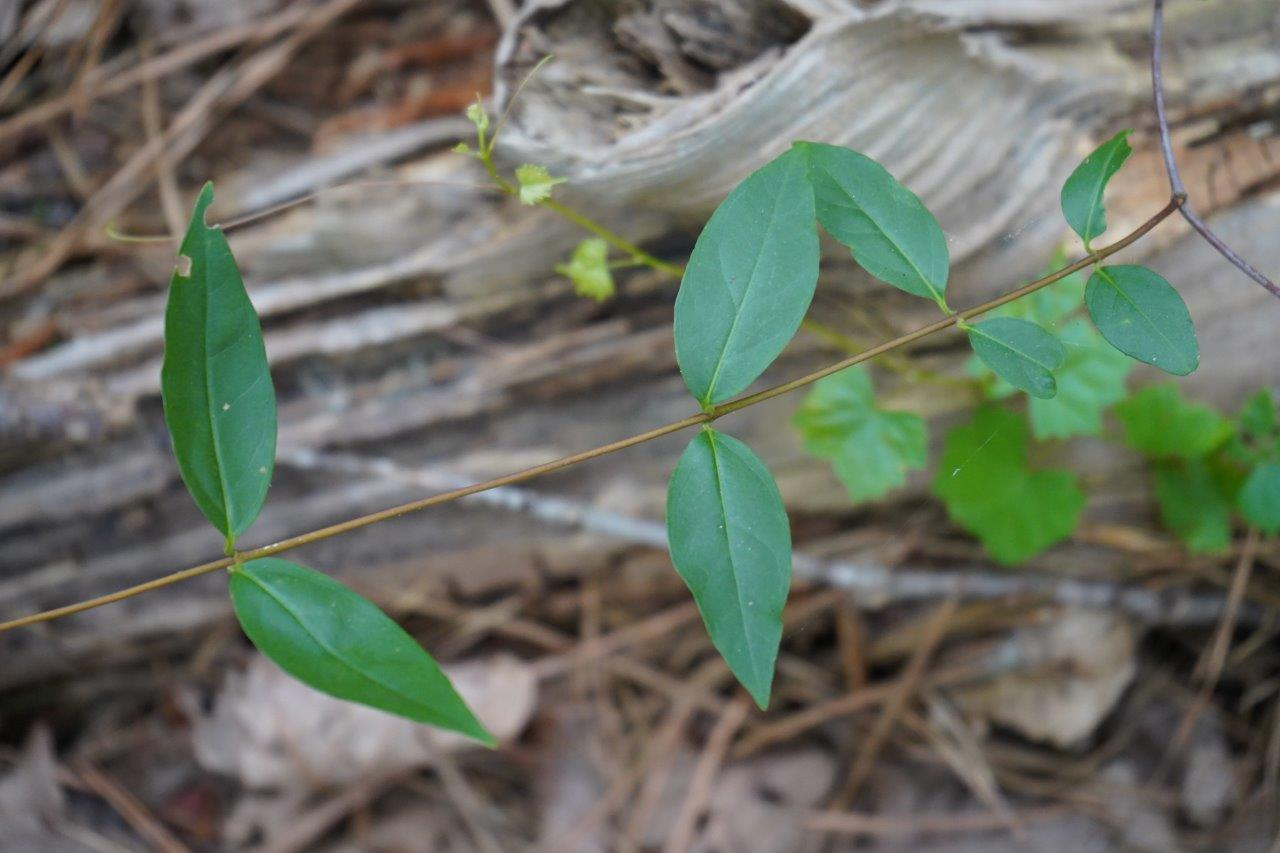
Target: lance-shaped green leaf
{"points": [[326, 636], [1082, 193], [892, 235], [1192, 505], [731, 543], [870, 449], [1140, 314], [1259, 498], [989, 489], [219, 404], [749, 281], [1019, 352], [1159, 422]]}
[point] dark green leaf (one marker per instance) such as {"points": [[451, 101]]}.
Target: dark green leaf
{"points": [[1192, 505], [1259, 498], [731, 543], [891, 233], [1082, 193], [749, 281], [1159, 422], [1019, 352], [219, 403], [326, 636], [1089, 381], [870, 449], [1140, 314], [989, 490]]}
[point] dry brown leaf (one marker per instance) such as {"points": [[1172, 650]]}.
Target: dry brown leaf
{"points": [[273, 732], [1083, 662]]}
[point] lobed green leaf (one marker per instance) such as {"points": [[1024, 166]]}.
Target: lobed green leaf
{"points": [[332, 639], [1091, 379], [1192, 505], [219, 404], [989, 489], [588, 269], [870, 449], [1082, 203], [731, 543], [1019, 352], [1140, 314], [1159, 422], [1259, 498], [892, 235], [749, 281]]}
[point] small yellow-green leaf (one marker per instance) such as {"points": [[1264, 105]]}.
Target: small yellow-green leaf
{"points": [[731, 543], [1019, 352], [870, 449], [535, 183], [588, 269], [332, 639], [1140, 314], [219, 404], [1159, 422], [1082, 203], [479, 116]]}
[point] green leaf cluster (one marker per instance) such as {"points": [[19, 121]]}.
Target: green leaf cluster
{"points": [[220, 410], [1206, 467]]}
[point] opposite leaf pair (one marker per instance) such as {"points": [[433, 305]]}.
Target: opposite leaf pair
{"points": [[220, 409]]}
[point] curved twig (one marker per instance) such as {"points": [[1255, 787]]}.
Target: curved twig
{"points": [[1171, 165]]}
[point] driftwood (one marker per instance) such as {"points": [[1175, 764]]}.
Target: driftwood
{"points": [[426, 319]]}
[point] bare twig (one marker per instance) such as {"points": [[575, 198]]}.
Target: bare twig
{"points": [[1171, 165]]}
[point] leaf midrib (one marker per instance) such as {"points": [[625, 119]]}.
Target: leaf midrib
{"points": [[321, 643], [897, 247], [1095, 203], [214, 430], [728, 546], [1107, 277], [739, 309]]}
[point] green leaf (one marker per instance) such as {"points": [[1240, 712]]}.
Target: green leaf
{"points": [[588, 269], [1192, 505], [535, 183], [1082, 193], [870, 449], [326, 636], [1159, 422], [1257, 418], [219, 404], [1090, 380], [989, 490], [479, 116], [749, 281], [892, 235], [731, 543], [1019, 352], [1140, 314], [1259, 498]]}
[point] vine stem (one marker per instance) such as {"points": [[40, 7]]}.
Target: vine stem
{"points": [[1171, 164], [596, 452]]}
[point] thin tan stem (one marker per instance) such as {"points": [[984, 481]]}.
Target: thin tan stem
{"points": [[594, 453]]}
